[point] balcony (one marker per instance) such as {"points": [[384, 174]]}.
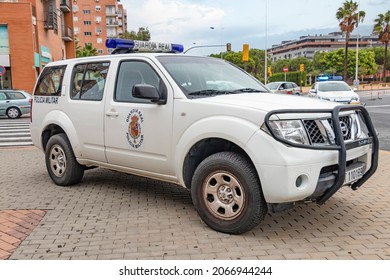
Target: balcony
{"points": [[65, 6], [50, 21], [67, 34], [111, 23]]}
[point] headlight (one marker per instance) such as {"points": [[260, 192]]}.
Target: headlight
{"points": [[291, 130]]}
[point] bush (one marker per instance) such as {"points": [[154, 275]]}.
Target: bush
{"points": [[294, 77]]}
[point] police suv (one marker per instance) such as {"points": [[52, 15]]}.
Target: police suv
{"points": [[201, 123]]}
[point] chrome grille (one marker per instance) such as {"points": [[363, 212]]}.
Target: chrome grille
{"points": [[345, 124], [314, 132], [321, 132]]}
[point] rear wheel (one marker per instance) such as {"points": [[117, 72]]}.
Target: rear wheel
{"points": [[227, 194], [13, 113], [61, 162]]}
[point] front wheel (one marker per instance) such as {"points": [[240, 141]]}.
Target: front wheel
{"points": [[227, 194], [61, 162]]}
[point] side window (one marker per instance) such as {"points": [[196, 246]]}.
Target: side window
{"points": [[50, 81], [16, 95], [132, 73], [88, 81], [3, 96]]}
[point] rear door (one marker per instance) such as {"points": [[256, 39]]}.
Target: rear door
{"points": [[85, 107]]}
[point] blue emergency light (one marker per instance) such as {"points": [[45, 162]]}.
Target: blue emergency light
{"points": [[145, 46]]}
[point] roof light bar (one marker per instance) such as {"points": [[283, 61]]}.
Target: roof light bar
{"points": [[145, 46]]}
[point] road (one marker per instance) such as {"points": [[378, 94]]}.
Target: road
{"points": [[15, 132], [379, 110]]}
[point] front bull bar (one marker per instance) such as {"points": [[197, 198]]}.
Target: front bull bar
{"points": [[339, 145]]}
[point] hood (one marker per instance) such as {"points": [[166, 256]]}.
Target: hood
{"points": [[269, 101]]}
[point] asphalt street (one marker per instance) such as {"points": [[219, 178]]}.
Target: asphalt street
{"points": [[379, 109]]}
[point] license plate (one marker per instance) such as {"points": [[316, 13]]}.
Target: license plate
{"points": [[353, 174]]}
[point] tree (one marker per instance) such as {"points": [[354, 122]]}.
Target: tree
{"points": [[255, 65], [87, 50], [349, 18], [143, 34], [331, 62], [382, 28]]}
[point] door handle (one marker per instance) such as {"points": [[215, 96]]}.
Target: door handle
{"points": [[112, 113]]}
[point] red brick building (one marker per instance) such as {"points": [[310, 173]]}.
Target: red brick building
{"points": [[33, 33], [97, 20]]}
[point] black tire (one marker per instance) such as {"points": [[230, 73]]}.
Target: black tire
{"points": [[227, 194], [13, 113], [61, 162]]}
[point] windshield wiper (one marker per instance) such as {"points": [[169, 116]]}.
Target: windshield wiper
{"points": [[208, 92], [247, 90], [213, 92]]}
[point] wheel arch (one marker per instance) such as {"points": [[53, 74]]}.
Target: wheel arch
{"points": [[205, 148], [212, 135], [57, 122]]}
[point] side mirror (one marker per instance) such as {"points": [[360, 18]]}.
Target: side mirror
{"points": [[146, 91]]}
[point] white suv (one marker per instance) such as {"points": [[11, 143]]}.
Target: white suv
{"points": [[201, 123]]}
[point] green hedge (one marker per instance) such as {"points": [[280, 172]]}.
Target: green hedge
{"points": [[290, 77]]}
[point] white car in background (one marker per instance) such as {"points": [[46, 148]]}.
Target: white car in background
{"points": [[284, 87], [336, 91]]}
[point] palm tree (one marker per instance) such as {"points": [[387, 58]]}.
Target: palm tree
{"points": [[88, 50], [349, 18], [382, 28]]}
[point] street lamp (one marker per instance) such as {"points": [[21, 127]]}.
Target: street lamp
{"points": [[265, 47], [213, 28], [356, 81]]}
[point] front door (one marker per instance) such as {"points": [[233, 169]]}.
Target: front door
{"points": [[138, 132]]}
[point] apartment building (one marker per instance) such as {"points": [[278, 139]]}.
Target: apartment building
{"points": [[33, 33], [96, 20], [307, 46]]}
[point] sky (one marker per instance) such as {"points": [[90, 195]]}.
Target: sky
{"points": [[259, 23]]}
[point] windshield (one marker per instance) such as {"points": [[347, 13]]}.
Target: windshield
{"points": [[273, 86], [333, 87], [205, 76]]}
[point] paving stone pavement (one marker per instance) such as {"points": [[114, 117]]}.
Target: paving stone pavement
{"points": [[111, 215]]}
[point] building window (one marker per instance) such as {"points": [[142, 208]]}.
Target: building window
{"points": [[86, 12], [100, 51], [87, 22], [75, 19], [87, 33], [99, 40], [98, 19], [98, 8]]}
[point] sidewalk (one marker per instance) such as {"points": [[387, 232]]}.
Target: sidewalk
{"points": [[111, 215]]}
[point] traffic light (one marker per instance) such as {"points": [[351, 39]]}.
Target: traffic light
{"points": [[301, 67], [269, 71], [228, 47], [245, 52]]}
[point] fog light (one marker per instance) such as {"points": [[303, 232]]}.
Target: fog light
{"points": [[298, 181]]}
